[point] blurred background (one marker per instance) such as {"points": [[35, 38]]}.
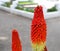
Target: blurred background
{"points": [[18, 14]]}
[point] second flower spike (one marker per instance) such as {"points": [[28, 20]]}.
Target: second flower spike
{"points": [[16, 43]]}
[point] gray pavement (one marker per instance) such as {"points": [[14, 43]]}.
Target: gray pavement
{"points": [[10, 21]]}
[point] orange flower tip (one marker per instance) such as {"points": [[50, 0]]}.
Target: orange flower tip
{"points": [[14, 30]]}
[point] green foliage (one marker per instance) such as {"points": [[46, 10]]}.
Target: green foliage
{"points": [[29, 10], [52, 9], [6, 4], [21, 4], [25, 9], [25, 2], [19, 8]]}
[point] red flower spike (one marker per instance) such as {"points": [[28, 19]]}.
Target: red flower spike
{"points": [[38, 30], [16, 43]]}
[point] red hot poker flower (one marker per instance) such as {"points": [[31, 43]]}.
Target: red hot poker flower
{"points": [[38, 30], [16, 43]]}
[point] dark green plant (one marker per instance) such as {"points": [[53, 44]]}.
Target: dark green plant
{"points": [[19, 8], [52, 9], [6, 4]]}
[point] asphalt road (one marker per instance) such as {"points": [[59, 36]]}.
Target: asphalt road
{"points": [[9, 21]]}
